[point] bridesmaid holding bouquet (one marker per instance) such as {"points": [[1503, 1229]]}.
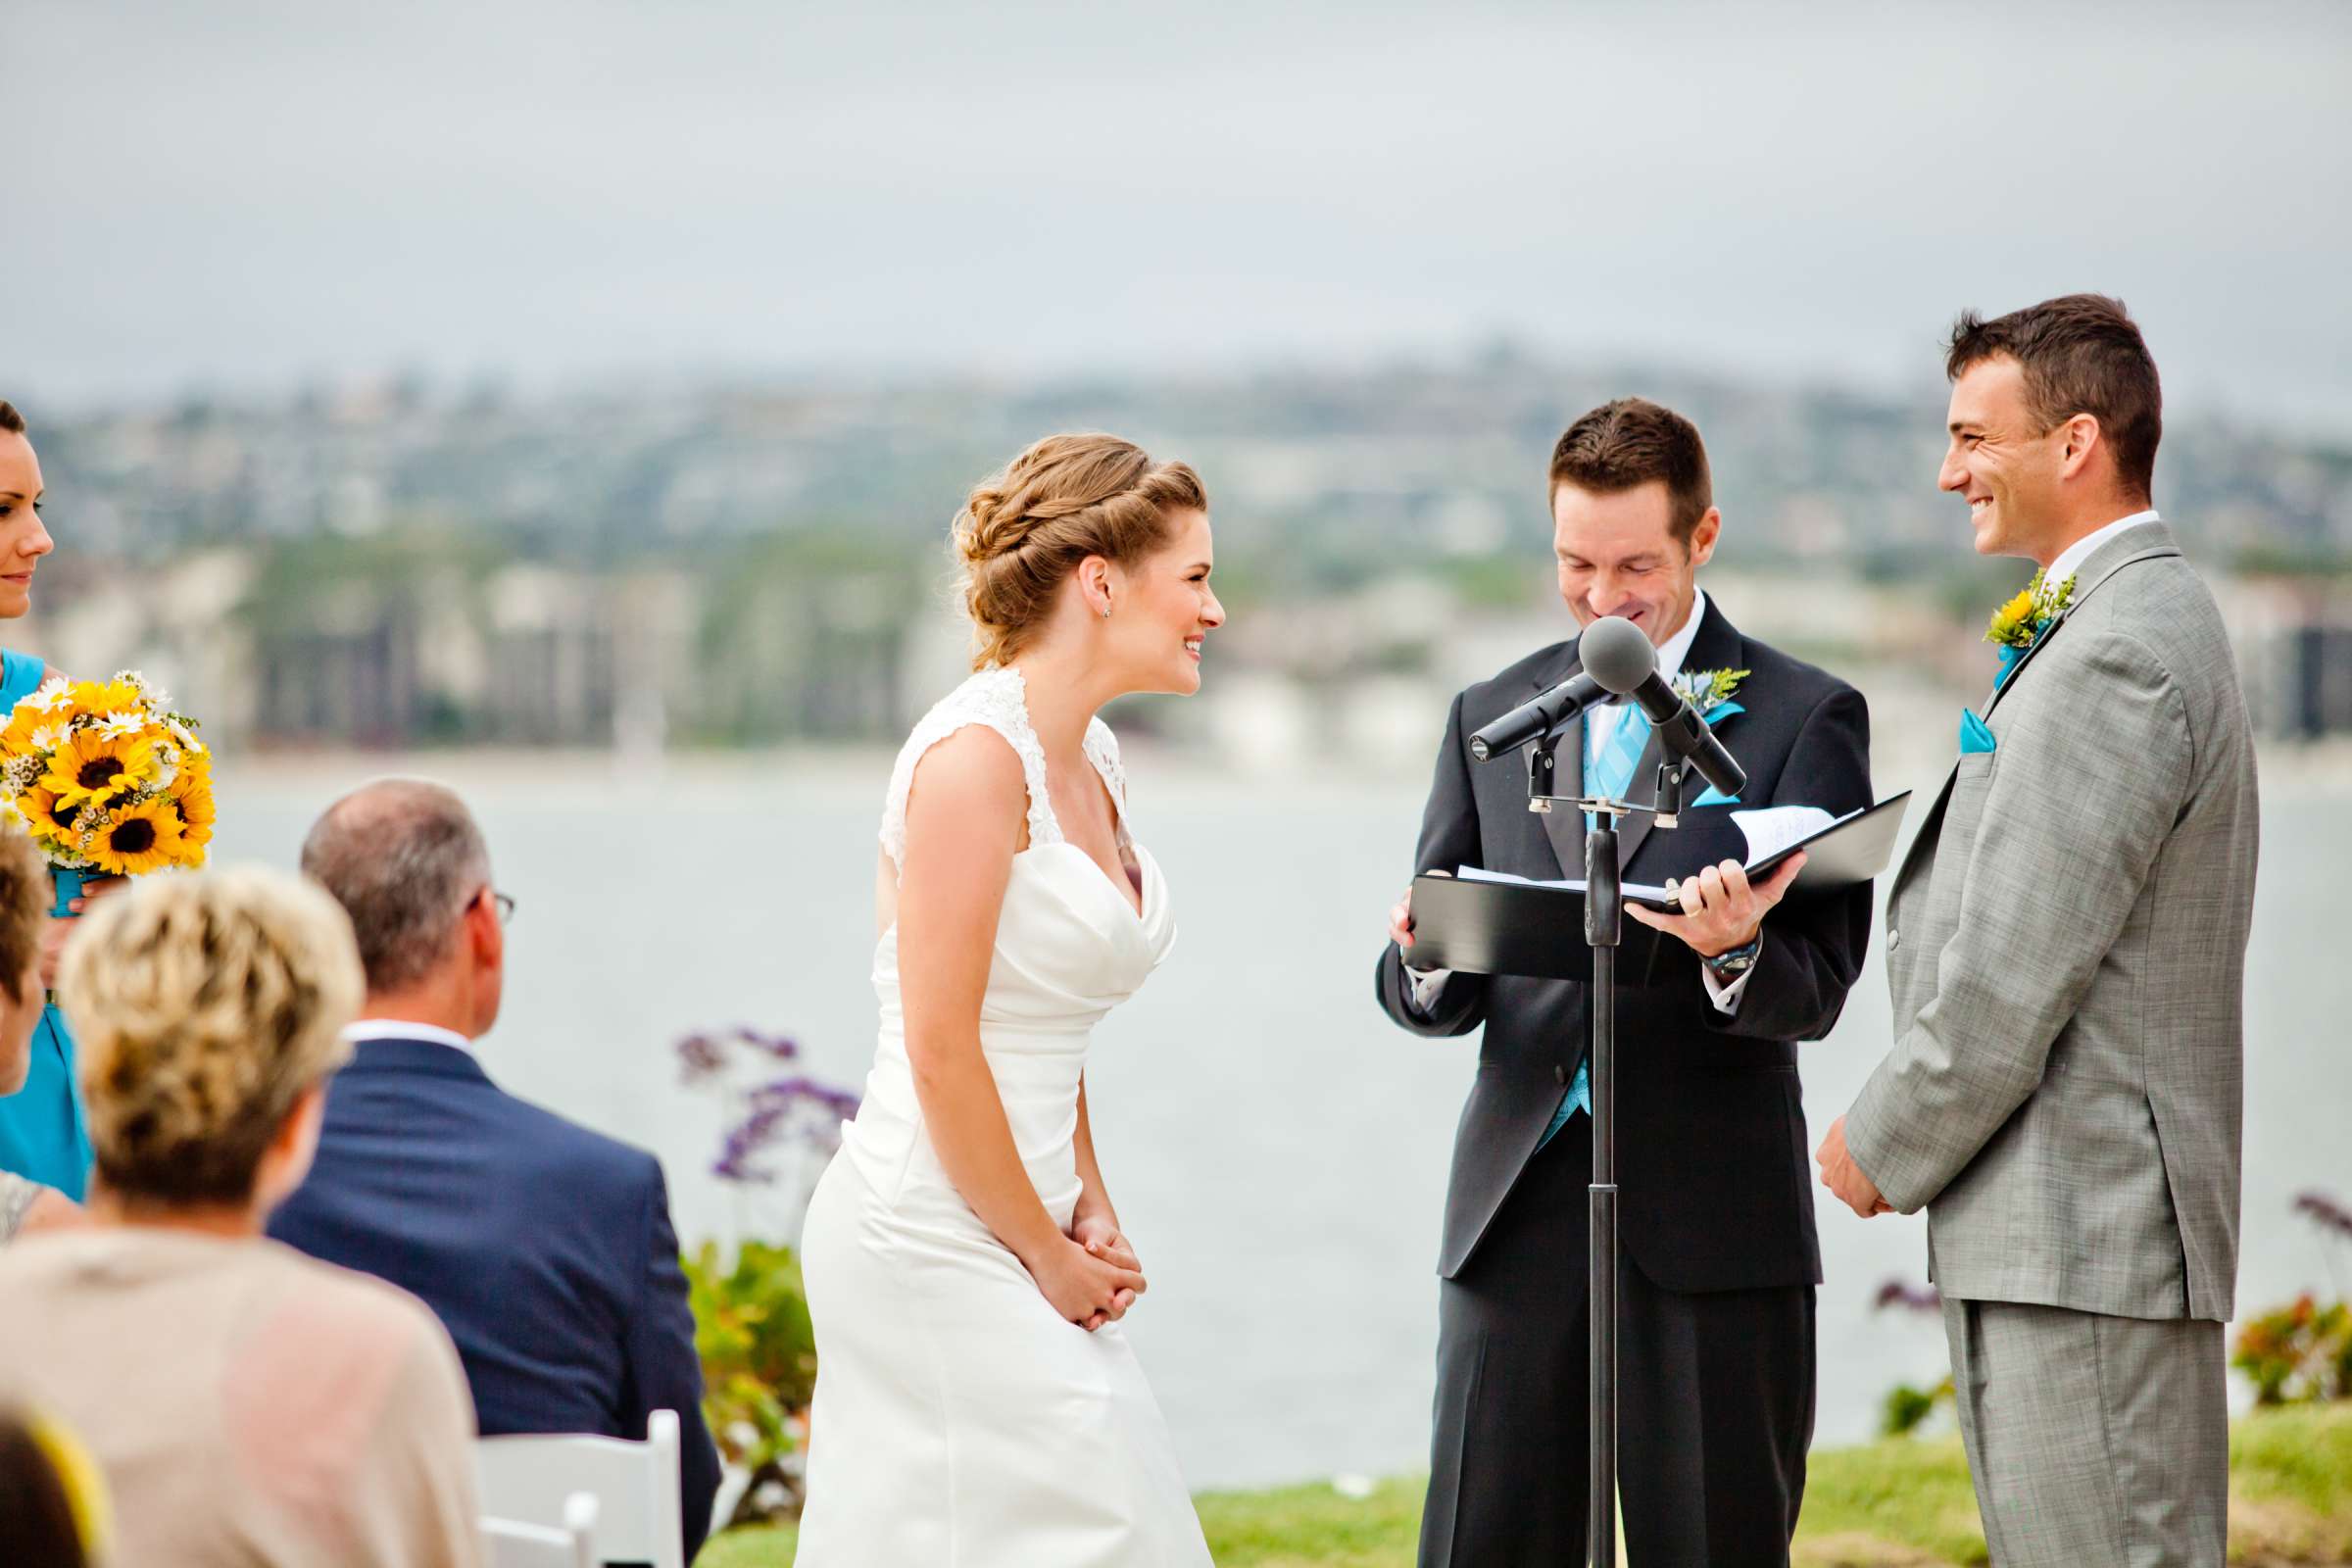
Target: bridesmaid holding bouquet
{"points": [[41, 1132]]}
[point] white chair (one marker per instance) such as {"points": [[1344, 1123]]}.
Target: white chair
{"points": [[513, 1544], [529, 1480]]}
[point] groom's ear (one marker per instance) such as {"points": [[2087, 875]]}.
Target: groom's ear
{"points": [[2082, 437]]}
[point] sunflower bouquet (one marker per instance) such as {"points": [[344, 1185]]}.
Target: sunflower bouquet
{"points": [[106, 779]]}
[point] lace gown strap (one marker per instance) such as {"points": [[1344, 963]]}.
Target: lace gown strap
{"points": [[997, 699], [1102, 750]]}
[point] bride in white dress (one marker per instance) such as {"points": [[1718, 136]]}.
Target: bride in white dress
{"points": [[977, 1403]]}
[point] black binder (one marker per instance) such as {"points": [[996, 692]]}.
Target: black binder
{"points": [[1517, 928], [1525, 928]]}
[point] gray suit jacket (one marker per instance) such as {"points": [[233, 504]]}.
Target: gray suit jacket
{"points": [[2066, 950]]}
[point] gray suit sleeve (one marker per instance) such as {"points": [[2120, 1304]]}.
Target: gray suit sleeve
{"points": [[2081, 798]]}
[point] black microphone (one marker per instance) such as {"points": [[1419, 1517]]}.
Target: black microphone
{"points": [[1532, 720], [1622, 661]]}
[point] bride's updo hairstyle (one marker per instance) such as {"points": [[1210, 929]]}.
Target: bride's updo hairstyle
{"points": [[1068, 497]]}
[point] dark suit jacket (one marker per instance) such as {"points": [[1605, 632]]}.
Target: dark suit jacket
{"points": [[545, 1248], [1714, 1188]]}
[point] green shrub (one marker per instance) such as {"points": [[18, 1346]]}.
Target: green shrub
{"points": [[758, 1354], [2300, 1353]]}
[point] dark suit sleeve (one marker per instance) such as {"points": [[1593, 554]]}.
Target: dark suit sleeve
{"points": [[663, 1371], [1449, 838], [1813, 942]]}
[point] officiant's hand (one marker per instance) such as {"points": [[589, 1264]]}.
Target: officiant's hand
{"points": [[1400, 920], [1721, 909], [1400, 916], [1083, 1285]]}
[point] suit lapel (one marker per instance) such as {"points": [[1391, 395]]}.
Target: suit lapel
{"points": [[1715, 646], [1929, 826], [2151, 541]]}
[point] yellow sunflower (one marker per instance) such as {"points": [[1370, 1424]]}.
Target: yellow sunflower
{"points": [[2013, 624], [17, 739], [90, 766], [43, 815], [137, 839], [108, 697], [190, 799]]}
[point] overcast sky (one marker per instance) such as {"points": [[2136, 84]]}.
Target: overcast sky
{"points": [[242, 195]]}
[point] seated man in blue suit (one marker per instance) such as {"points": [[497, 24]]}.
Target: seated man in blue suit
{"points": [[545, 1248]]}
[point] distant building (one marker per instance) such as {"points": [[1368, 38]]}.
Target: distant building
{"points": [[2294, 639]]}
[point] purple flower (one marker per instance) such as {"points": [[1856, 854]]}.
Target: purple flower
{"points": [[698, 1057], [1894, 1292], [2324, 1212], [798, 1108], [781, 1047]]}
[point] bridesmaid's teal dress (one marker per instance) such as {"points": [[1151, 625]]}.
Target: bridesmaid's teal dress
{"points": [[41, 1132]]}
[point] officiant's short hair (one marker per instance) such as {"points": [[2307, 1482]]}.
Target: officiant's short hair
{"points": [[10, 421], [2082, 354], [1626, 444]]}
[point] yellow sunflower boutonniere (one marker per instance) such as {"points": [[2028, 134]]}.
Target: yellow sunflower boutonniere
{"points": [[106, 779], [2022, 619]]}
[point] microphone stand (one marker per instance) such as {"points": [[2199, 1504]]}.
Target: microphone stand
{"points": [[1604, 912]]}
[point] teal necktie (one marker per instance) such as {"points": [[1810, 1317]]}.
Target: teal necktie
{"points": [[1610, 773]]}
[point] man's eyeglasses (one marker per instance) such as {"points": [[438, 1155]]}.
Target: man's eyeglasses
{"points": [[501, 903]]}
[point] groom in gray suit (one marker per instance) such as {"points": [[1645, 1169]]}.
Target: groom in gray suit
{"points": [[2066, 948]]}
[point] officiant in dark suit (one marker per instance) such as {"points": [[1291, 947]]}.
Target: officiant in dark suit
{"points": [[1718, 1256]]}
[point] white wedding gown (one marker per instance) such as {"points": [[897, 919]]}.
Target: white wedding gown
{"points": [[959, 1422]]}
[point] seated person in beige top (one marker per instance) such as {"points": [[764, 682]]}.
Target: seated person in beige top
{"points": [[247, 1405], [25, 894]]}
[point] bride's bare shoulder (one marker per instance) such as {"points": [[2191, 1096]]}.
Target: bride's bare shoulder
{"points": [[966, 784], [974, 758]]}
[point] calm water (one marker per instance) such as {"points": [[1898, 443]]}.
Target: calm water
{"points": [[1277, 1149]]}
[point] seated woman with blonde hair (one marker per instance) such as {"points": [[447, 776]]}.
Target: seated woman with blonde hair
{"points": [[246, 1405]]}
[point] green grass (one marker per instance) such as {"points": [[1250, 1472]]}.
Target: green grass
{"points": [[1902, 1503]]}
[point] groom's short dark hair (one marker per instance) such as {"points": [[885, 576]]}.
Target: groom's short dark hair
{"points": [[2082, 354], [1632, 442], [10, 420]]}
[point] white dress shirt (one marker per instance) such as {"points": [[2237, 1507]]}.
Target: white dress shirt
{"points": [[1599, 724], [2074, 555], [403, 1029]]}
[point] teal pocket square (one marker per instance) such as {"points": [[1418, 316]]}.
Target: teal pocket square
{"points": [[1714, 796], [1975, 734]]}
